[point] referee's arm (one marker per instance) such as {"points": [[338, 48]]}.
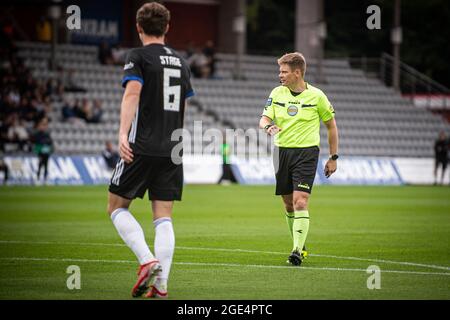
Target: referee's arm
{"points": [[332, 135], [130, 102], [265, 121], [333, 140]]}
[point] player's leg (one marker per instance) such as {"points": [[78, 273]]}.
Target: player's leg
{"points": [[303, 176], [164, 244], [45, 160], [301, 219], [128, 182], [436, 165], [300, 227], [289, 210], [40, 163], [290, 215], [128, 228], [132, 234], [444, 168], [166, 185], [284, 184]]}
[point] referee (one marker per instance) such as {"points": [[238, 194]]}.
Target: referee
{"points": [[157, 83], [292, 114]]}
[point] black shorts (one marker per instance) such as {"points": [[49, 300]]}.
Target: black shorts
{"points": [[159, 175], [296, 170], [441, 161]]}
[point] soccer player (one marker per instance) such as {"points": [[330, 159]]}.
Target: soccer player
{"points": [[292, 114], [156, 82], [43, 147], [441, 146]]}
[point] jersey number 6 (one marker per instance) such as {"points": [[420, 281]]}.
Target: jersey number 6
{"points": [[171, 93]]}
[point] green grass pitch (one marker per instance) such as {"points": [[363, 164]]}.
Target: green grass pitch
{"points": [[231, 243]]}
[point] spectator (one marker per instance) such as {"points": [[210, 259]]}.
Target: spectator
{"points": [[4, 132], [29, 113], [86, 110], [11, 107], [18, 134], [4, 128], [24, 101], [39, 107], [118, 55], [78, 109], [43, 147], [51, 87], [68, 112], [59, 92], [190, 50], [105, 54], [4, 168], [28, 84], [44, 30], [110, 155], [82, 112], [97, 112], [66, 78], [199, 64], [210, 53], [47, 105]]}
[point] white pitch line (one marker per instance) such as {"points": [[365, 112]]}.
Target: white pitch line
{"points": [[233, 250], [432, 266], [223, 265], [325, 256], [63, 243]]}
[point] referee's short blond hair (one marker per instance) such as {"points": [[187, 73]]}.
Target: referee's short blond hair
{"points": [[294, 60]]}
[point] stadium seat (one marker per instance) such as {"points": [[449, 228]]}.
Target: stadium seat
{"points": [[372, 119]]}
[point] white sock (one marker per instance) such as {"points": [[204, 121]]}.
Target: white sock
{"points": [[132, 234], [164, 248]]}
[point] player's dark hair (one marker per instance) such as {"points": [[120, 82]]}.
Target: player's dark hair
{"points": [[294, 60], [153, 18]]}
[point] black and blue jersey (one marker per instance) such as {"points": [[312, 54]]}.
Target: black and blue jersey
{"points": [[165, 79]]}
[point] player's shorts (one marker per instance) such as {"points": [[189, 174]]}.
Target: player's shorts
{"points": [[159, 175], [442, 161], [296, 170]]}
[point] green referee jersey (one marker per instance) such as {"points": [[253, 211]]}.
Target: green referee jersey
{"points": [[298, 116]]}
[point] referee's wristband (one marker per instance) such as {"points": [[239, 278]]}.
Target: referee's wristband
{"points": [[334, 157]]}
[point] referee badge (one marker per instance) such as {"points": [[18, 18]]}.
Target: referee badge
{"points": [[292, 110], [268, 103]]}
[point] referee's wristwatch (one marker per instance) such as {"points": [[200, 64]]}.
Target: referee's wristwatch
{"points": [[267, 127], [334, 157]]}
